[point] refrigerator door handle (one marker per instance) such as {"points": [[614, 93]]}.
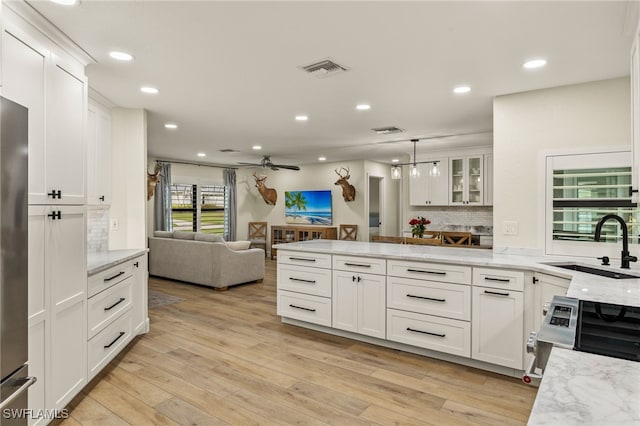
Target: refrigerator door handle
{"points": [[28, 381]]}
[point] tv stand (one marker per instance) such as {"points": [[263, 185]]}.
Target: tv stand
{"points": [[292, 233]]}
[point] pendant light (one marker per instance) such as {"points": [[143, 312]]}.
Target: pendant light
{"points": [[413, 170], [434, 170], [396, 172]]}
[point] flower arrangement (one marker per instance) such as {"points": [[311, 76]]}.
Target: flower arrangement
{"points": [[418, 226]]}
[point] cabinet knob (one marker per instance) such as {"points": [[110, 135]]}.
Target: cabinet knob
{"points": [[137, 264], [101, 198]]}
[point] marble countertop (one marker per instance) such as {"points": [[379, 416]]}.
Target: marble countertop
{"points": [[583, 286], [583, 389], [98, 262]]}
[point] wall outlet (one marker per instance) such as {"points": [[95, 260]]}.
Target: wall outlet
{"points": [[510, 227], [115, 225]]}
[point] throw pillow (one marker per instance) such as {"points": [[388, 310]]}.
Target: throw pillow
{"points": [[163, 234], [238, 245], [181, 235], [210, 238]]}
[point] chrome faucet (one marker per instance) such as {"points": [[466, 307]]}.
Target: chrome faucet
{"points": [[625, 258]]}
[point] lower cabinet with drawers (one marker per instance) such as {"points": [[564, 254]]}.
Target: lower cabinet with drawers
{"points": [[463, 313]]}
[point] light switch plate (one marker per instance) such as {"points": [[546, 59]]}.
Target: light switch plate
{"points": [[510, 227], [115, 225]]}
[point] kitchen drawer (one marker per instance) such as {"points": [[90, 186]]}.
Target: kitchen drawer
{"points": [[104, 346], [429, 297], [304, 307], [317, 260], [499, 278], [104, 307], [426, 331], [369, 265], [107, 278], [306, 280], [429, 271]]}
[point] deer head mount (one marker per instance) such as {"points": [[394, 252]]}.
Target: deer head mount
{"points": [[152, 181], [269, 195], [348, 190]]}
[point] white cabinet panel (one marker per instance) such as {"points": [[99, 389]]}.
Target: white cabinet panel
{"points": [[466, 180], [545, 287], [429, 271], [37, 357], [499, 278], [359, 303], [38, 293], [488, 179], [430, 189], [98, 155], [316, 260], [140, 295], [316, 281], [105, 345], [357, 264], [103, 308], [304, 307]]}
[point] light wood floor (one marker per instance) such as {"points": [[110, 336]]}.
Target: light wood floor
{"points": [[225, 358]]}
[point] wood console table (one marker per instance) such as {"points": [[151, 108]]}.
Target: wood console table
{"points": [[292, 233]]}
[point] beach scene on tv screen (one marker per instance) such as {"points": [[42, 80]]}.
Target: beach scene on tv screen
{"points": [[308, 207]]}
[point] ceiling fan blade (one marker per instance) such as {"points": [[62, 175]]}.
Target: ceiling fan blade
{"points": [[285, 166], [250, 164]]}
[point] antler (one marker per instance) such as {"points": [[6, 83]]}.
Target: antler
{"points": [[259, 178], [341, 169]]}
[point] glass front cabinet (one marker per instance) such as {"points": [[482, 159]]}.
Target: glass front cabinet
{"points": [[466, 180]]}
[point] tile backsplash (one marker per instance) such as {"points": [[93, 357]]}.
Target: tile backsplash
{"points": [[443, 216], [97, 229]]}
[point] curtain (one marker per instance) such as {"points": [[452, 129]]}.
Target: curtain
{"points": [[162, 199], [230, 184]]}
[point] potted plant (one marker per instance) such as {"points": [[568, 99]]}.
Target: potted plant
{"points": [[418, 225]]}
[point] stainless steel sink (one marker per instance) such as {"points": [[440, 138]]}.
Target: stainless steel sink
{"points": [[592, 270]]}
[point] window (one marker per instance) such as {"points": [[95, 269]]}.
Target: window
{"points": [[200, 208], [583, 188]]}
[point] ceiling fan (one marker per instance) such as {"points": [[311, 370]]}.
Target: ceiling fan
{"points": [[266, 162]]}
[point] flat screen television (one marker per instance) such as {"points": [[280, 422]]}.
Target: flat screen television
{"points": [[308, 207]]}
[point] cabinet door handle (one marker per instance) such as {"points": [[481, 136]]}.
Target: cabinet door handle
{"points": [[122, 299], [426, 298], [359, 279], [361, 265], [302, 281], [137, 264], [101, 198], [55, 194], [502, 280], [106, 280], [426, 332], [122, 333], [304, 309], [420, 271], [495, 293], [302, 258], [55, 215]]}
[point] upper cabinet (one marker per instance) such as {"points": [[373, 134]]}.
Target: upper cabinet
{"points": [[466, 180], [98, 154], [635, 113], [430, 187], [488, 179], [52, 85]]}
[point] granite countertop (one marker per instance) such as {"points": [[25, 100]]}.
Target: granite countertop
{"points": [[583, 286], [583, 389], [100, 261]]}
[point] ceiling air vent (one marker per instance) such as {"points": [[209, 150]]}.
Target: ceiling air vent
{"points": [[324, 68], [229, 150], [387, 130]]}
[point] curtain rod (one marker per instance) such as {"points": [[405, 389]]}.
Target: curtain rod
{"points": [[194, 164]]}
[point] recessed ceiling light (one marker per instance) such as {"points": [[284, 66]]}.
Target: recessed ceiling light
{"points": [[322, 158], [534, 63], [395, 160], [148, 89], [121, 56], [363, 107], [67, 2], [301, 118], [462, 89], [256, 147], [201, 154], [171, 126]]}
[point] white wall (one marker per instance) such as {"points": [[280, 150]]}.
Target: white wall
{"points": [[594, 114], [128, 178]]}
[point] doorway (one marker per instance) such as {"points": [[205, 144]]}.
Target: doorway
{"points": [[376, 206]]}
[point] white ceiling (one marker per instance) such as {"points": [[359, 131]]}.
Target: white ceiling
{"points": [[228, 71]]}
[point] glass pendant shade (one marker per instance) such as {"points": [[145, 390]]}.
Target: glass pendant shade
{"points": [[434, 170], [413, 171], [396, 172]]}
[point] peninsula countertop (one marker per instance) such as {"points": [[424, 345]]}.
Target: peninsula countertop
{"points": [[583, 286], [100, 261]]}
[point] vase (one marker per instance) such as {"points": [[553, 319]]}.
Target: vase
{"points": [[417, 234]]}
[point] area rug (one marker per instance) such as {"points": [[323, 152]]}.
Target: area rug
{"points": [[157, 299]]}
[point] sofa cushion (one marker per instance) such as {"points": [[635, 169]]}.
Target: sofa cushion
{"points": [[181, 235], [163, 234], [238, 245], [211, 238]]}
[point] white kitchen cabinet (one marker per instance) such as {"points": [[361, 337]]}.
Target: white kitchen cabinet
{"points": [[488, 179], [57, 304], [98, 154], [635, 113], [428, 189], [497, 326], [52, 85], [544, 288], [140, 295], [466, 185]]}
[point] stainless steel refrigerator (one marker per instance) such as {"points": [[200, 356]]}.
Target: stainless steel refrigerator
{"points": [[14, 380]]}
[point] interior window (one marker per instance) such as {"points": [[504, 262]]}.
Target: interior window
{"points": [[200, 208]]}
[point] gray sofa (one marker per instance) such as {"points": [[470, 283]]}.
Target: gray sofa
{"points": [[203, 259]]}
